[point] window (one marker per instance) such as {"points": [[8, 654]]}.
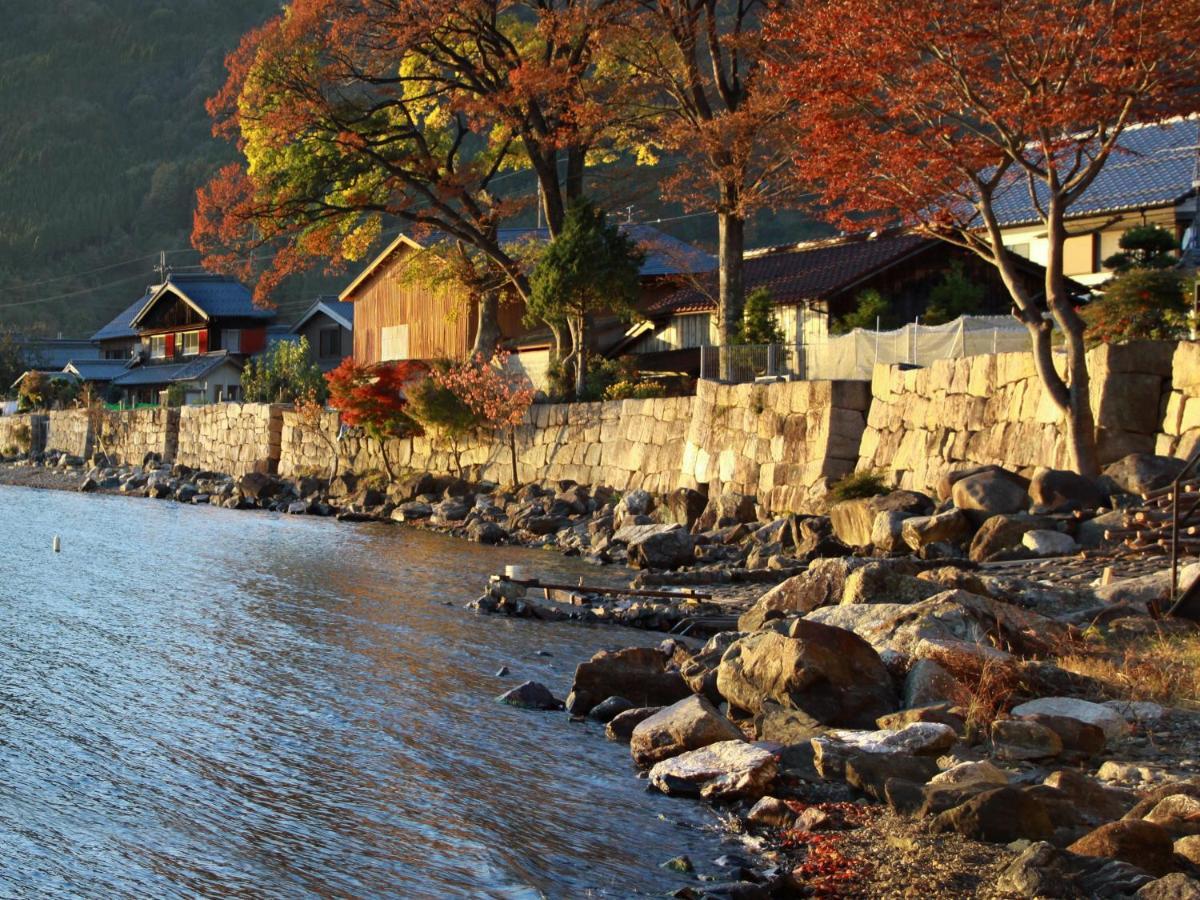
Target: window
{"points": [[189, 341], [329, 343], [158, 346], [231, 340], [394, 341], [1020, 249], [1079, 255]]}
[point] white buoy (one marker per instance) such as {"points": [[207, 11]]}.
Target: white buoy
{"points": [[57, 544]]}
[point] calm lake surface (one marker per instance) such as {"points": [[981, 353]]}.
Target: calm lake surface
{"points": [[195, 701]]}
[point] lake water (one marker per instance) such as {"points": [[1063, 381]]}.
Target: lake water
{"points": [[195, 701]]}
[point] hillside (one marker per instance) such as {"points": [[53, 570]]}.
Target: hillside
{"points": [[106, 139]]}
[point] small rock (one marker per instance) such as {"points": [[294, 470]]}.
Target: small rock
{"points": [[1134, 841], [622, 725], [680, 864], [771, 812], [1016, 739], [502, 672], [1043, 542], [982, 772], [1000, 815], [1110, 721], [725, 770], [609, 709], [690, 724], [531, 695], [1175, 886]]}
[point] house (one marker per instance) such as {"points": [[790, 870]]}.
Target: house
{"points": [[51, 354], [193, 331], [813, 282], [398, 316], [1152, 178], [329, 326]]}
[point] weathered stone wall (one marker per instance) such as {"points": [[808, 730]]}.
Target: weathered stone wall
{"points": [[624, 443], [22, 434], [235, 438], [70, 431], [992, 409], [784, 443], [1180, 432], [128, 436]]}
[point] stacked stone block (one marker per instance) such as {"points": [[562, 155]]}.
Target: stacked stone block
{"points": [[234, 438], [129, 436], [783, 443], [22, 434], [70, 431], [993, 410], [1180, 432]]}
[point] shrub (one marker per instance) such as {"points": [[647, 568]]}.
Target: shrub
{"points": [[871, 310], [759, 325], [859, 484], [283, 374], [1140, 304], [955, 295], [175, 395], [627, 389], [440, 410]]}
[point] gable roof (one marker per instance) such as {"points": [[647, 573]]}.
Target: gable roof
{"points": [[665, 255], [96, 369], [341, 311], [121, 326], [813, 270], [212, 296], [1154, 165], [191, 370]]}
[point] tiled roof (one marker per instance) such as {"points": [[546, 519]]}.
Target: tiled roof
{"points": [[1153, 165], [169, 373], [810, 271], [97, 369], [215, 295], [341, 311], [120, 326]]}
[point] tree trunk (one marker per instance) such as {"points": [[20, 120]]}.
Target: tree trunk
{"points": [[487, 332], [575, 170], [731, 297], [579, 338], [512, 447]]}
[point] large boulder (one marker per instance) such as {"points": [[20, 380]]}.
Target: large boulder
{"points": [[1140, 473], [1000, 815], [945, 485], [813, 538], [886, 582], [1134, 841], [820, 585], [725, 770], [727, 509], [1002, 534], [700, 671], [854, 520], [683, 507], [639, 674], [991, 493], [1056, 490], [687, 725], [257, 486], [951, 527], [828, 673], [657, 546], [1111, 722], [948, 616]]}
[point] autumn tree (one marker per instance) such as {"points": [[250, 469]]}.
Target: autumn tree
{"points": [[591, 266], [705, 98], [497, 397], [935, 112], [350, 114], [373, 398]]}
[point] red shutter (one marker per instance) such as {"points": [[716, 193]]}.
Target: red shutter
{"points": [[253, 340], [203, 340], [170, 346]]}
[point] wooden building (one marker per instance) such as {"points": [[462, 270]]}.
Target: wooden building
{"points": [[329, 327], [398, 315]]}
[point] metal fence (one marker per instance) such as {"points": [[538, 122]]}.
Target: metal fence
{"points": [[854, 355]]}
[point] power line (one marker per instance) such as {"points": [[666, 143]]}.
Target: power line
{"points": [[88, 290]]}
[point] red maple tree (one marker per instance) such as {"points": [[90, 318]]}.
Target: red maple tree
{"points": [[372, 398], [930, 113]]}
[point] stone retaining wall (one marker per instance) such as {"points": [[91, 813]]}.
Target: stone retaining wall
{"points": [[70, 431], [22, 434], [992, 409], [1180, 432], [128, 436], [784, 443], [234, 438], [624, 443]]}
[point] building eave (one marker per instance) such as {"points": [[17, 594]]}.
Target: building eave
{"points": [[402, 241]]}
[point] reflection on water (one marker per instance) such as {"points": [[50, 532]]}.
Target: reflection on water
{"points": [[197, 701]]}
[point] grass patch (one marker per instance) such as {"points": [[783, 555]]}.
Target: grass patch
{"points": [[857, 485], [1164, 668]]}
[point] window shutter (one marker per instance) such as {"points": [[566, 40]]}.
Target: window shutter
{"points": [[204, 340], [170, 345]]}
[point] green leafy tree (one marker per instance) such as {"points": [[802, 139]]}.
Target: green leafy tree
{"points": [[759, 324], [283, 374], [870, 310], [12, 362], [591, 266], [1138, 305], [955, 295], [442, 411], [1144, 247]]}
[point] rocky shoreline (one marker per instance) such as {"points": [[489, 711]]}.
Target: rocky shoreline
{"points": [[960, 695]]}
